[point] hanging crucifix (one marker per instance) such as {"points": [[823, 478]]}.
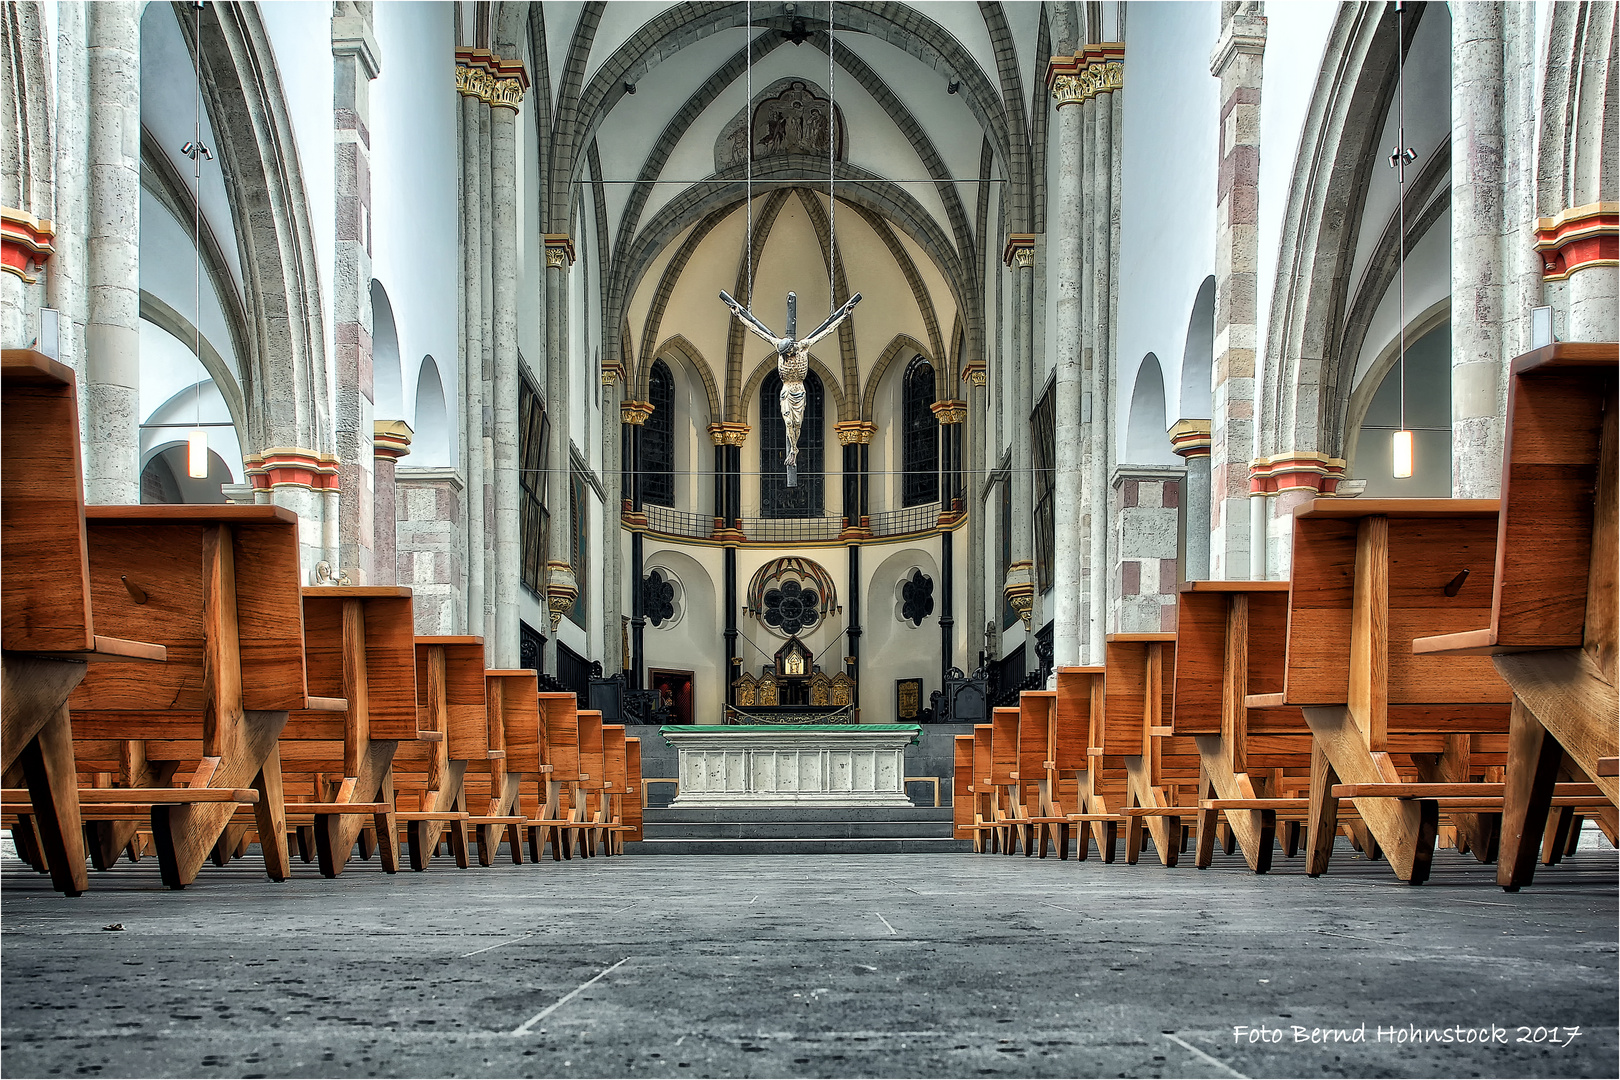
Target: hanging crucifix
{"points": [[792, 364]]}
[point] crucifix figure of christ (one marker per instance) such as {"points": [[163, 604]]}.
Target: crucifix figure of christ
{"points": [[792, 364]]}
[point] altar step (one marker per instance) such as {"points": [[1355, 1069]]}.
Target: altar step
{"points": [[797, 830]]}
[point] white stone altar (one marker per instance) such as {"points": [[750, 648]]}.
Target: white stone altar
{"points": [[824, 765]]}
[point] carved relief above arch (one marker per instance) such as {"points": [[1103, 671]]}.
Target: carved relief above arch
{"points": [[790, 116]]}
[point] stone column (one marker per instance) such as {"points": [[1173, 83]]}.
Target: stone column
{"points": [[1189, 439], [1064, 76], [1105, 71], [1478, 147], [1020, 584], [474, 83], [430, 552], [511, 82], [355, 62], [26, 166], [70, 265], [635, 414], [1147, 496], [952, 414], [113, 335], [973, 373], [1237, 63], [391, 440], [561, 585], [613, 657]]}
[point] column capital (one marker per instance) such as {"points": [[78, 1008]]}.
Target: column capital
{"points": [[559, 251], [562, 589], [1571, 240], [391, 439], [950, 411], [1296, 470], [1190, 438], [635, 412], [1244, 34], [612, 373], [974, 372], [291, 466], [728, 434], [854, 432], [1092, 70], [352, 36], [496, 82], [1020, 589], [1020, 250], [24, 238]]}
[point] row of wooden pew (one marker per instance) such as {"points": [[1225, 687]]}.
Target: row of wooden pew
{"points": [[1435, 672], [170, 687]]}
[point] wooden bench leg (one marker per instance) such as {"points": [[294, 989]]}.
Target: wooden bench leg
{"points": [[1555, 837], [368, 843], [1266, 827], [1063, 831], [53, 787], [306, 843], [24, 837], [1322, 814], [1223, 832], [1175, 840], [386, 830], [536, 843], [1290, 836], [458, 843], [1423, 849], [1109, 840], [419, 846], [325, 854], [1574, 835], [514, 840], [1133, 840], [1532, 770]]}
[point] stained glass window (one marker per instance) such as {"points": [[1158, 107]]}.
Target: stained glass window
{"points": [[533, 437], [920, 428], [1045, 449], [658, 439], [777, 500]]}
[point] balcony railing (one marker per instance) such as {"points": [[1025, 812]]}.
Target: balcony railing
{"points": [[890, 523], [798, 530], [909, 519], [662, 519]]}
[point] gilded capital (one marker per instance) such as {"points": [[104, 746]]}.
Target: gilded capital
{"points": [[1095, 69], [974, 373], [1020, 250], [485, 76], [635, 412], [559, 251], [728, 434], [854, 432], [612, 373], [390, 438], [950, 412]]}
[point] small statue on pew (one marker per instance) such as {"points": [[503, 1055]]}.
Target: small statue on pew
{"points": [[324, 576]]}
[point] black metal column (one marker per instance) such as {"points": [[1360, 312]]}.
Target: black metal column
{"points": [[732, 672], [852, 662], [947, 623], [638, 612]]}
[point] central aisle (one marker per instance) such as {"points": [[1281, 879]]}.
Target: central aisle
{"points": [[918, 965]]}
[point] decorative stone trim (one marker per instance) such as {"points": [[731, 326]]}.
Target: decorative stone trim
{"points": [[496, 82], [562, 589], [559, 251], [1574, 239], [1020, 250], [1020, 589], [1095, 69], [391, 438], [975, 372], [24, 239], [1245, 34], [854, 432], [728, 434], [1300, 470], [950, 411], [1190, 439], [635, 412], [284, 466]]}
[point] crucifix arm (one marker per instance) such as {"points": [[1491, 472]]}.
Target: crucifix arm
{"points": [[752, 323], [832, 322]]}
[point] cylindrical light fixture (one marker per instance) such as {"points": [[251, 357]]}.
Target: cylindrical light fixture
{"points": [[197, 454], [1403, 455]]}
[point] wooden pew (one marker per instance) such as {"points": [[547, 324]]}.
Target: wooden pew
{"points": [[1229, 659], [962, 817], [1099, 794], [635, 794], [1138, 703], [557, 819], [1369, 576], [1551, 628], [218, 586], [452, 734], [49, 629], [359, 645], [1007, 804], [984, 793]]}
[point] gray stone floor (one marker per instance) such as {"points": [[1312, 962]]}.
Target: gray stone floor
{"points": [[918, 965]]}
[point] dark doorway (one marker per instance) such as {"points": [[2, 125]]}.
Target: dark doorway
{"points": [[674, 689]]}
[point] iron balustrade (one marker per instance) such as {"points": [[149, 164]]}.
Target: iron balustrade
{"points": [[906, 520]]}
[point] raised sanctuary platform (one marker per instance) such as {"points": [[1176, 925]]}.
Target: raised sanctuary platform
{"points": [[791, 765]]}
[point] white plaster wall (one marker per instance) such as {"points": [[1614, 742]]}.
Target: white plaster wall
{"points": [[1296, 36], [169, 112], [1169, 162], [695, 640], [414, 158], [301, 36], [891, 648]]}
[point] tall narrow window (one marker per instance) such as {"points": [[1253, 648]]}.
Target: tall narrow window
{"points": [[777, 500], [533, 437], [579, 522], [1009, 614], [658, 439], [920, 429], [1045, 484]]}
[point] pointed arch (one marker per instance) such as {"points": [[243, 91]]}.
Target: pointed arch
{"points": [[919, 434], [678, 346], [657, 472], [1198, 356], [902, 345], [1145, 443]]}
